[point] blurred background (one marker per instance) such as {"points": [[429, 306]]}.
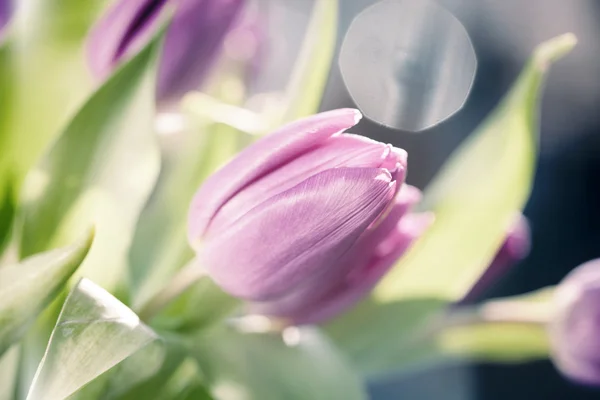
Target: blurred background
{"points": [[564, 208]]}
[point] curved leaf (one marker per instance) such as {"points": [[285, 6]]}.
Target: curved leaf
{"points": [[102, 168], [28, 287], [475, 195], [94, 333], [474, 198]]}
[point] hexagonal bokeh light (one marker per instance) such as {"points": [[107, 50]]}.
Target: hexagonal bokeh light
{"points": [[407, 64]]}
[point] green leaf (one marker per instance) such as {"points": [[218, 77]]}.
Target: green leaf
{"points": [[312, 67], [7, 212], [474, 198], [28, 287], [44, 78], [101, 169], [9, 368], [264, 366], [184, 383], [175, 354], [475, 195], [378, 337], [94, 333], [200, 306], [160, 246]]}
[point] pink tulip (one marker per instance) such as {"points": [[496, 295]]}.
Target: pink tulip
{"points": [[307, 220], [192, 41]]}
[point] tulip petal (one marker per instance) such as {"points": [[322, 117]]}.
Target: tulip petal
{"points": [[256, 161], [193, 41], [364, 276], [350, 151], [296, 237], [575, 326], [122, 31]]}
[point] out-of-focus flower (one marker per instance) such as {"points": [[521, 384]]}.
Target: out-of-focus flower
{"points": [[5, 13], [514, 249], [575, 325], [193, 40], [307, 220]]}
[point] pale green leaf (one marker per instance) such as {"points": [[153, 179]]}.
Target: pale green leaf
{"points": [[100, 170], [312, 67], [474, 199], [379, 337], [94, 333], [265, 366], [28, 287], [9, 368], [477, 192], [184, 383], [43, 76], [175, 354]]}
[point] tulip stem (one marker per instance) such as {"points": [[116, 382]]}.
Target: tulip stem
{"points": [[511, 312], [186, 277]]}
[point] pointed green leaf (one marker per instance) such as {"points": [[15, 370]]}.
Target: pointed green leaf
{"points": [[9, 368], [474, 199], [300, 364], [312, 67], [101, 169], [477, 192], [94, 333], [28, 287]]}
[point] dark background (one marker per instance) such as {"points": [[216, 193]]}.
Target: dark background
{"points": [[564, 208]]}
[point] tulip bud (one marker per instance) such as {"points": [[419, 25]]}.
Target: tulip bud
{"points": [[575, 327], [306, 220], [514, 249], [192, 42]]}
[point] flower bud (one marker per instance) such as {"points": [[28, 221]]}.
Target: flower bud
{"points": [[514, 249], [307, 220], [192, 42], [575, 326]]}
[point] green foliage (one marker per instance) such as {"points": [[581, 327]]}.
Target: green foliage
{"points": [[477, 192], [473, 198], [43, 77], [28, 287], [94, 333], [100, 170], [265, 366]]}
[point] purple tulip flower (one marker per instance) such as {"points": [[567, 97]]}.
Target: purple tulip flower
{"points": [[306, 221], [575, 326], [193, 40], [514, 249]]}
